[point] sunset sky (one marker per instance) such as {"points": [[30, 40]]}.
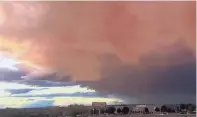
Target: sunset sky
{"points": [[60, 53]]}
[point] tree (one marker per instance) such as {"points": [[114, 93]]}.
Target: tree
{"points": [[97, 111], [146, 110], [173, 111], [102, 110], [111, 110], [119, 111], [190, 107], [164, 108], [74, 110], [178, 109], [169, 110], [182, 106], [157, 109], [92, 112], [125, 110]]}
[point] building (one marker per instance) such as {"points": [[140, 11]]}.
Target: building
{"points": [[99, 104]]}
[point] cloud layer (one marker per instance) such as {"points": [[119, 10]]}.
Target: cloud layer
{"points": [[138, 51], [160, 73], [68, 38], [27, 96]]}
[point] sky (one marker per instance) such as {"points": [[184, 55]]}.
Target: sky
{"points": [[61, 53]]}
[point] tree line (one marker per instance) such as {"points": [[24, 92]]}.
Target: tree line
{"points": [[179, 108], [125, 110], [75, 110], [110, 110]]}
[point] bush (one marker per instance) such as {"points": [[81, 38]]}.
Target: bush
{"points": [[146, 110], [190, 107], [169, 110], [164, 108], [74, 110], [111, 110], [125, 110], [157, 109], [182, 106], [119, 111]]}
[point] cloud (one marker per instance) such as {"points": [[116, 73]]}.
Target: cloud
{"points": [[170, 72], [132, 49], [46, 83], [66, 37], [14, 85], [9, 75], [40, 103], [4, 93], [52, 95], [46, 75], [2, 106], [29, 96], [56, 90], [18, 91]]}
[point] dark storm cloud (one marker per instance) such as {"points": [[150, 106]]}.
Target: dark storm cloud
{"points": [[169, 72]]}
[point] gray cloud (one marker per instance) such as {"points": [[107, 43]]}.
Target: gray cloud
{"points": [[19, 91], [9, 75], [50, 77], [79, 94], [158, 75], [46, 83], [40, 103], [167, 76]]}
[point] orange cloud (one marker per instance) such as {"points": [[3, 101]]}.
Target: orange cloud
{"points": [[69, 37]]}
